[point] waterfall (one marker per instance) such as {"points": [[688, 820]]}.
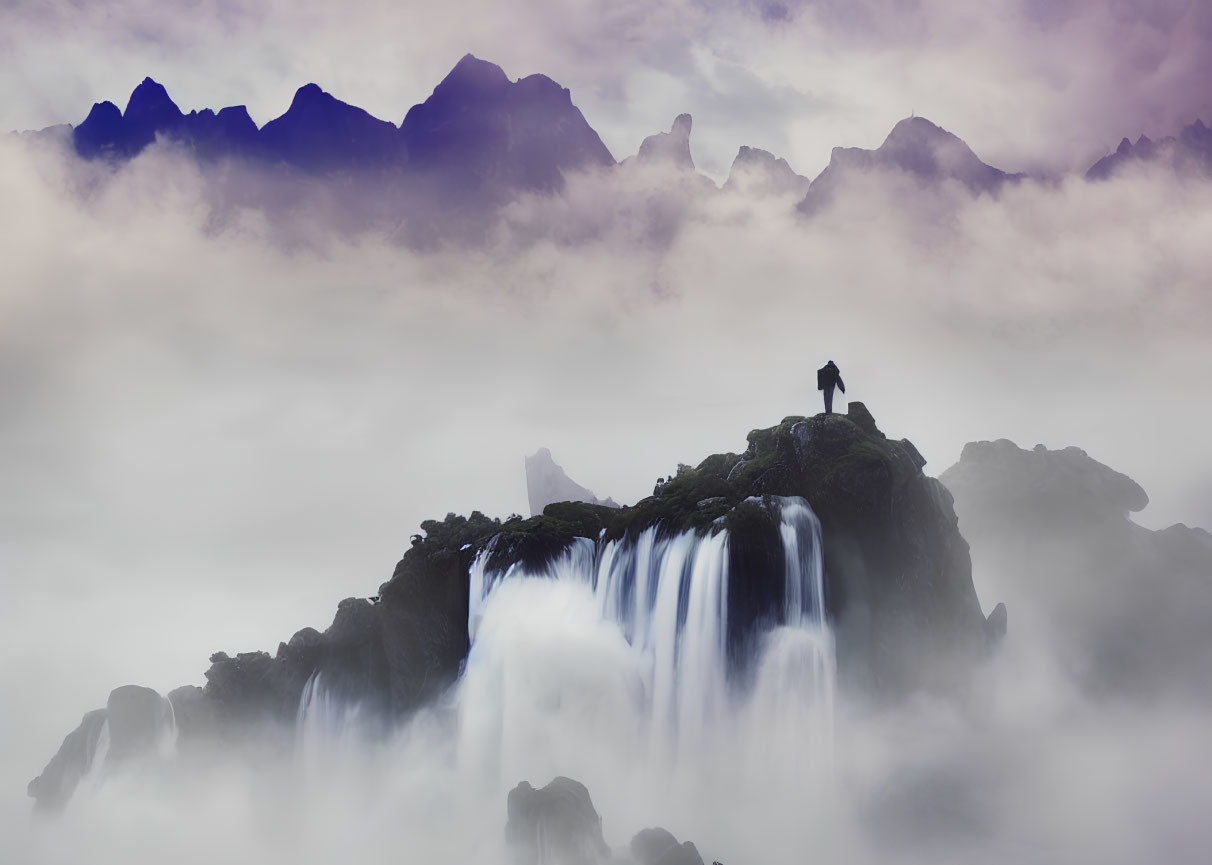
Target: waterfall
{"points": [[325, 723], [166, 740], [610, 662], [668, 598]]}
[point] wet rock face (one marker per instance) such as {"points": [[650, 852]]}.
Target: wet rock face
{"points": [[555, 823], [897, 571]]}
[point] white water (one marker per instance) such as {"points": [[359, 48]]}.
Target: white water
{"points": [[326, 726], [610, 665], [662, 601]]}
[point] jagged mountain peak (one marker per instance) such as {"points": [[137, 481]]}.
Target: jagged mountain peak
{"points": [[925, 148], [150, 98], [759, 171], [321, 133], [102, 111], [916, 128], [1189, 151], [915, 147], [486, 134], [670, 148], [312, 95], [471, 75]]}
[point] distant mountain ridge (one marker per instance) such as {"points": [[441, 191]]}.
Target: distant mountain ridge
{"points": [[480, 138], [1191, 148], [917, 148], [478, 128]]}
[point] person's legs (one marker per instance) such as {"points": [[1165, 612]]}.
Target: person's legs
{"points": [[829, 399]]}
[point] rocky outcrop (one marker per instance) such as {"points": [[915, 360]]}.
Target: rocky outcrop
{"points": [[898, 586], [916, 149], [555, 823], [658, 846], [1123, 609], [898, 577], [135, 722], [51, 790], [546, 483]]}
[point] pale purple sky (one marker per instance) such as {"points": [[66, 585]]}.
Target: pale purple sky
{"points": [[1031, 85]]}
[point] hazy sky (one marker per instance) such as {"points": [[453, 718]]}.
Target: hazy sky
{"points": [[209, 437], [1031, 85]]}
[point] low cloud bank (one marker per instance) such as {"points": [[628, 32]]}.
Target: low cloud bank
{"points": [[216, 423]]}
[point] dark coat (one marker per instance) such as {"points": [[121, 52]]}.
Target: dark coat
{"points": [[829, 376]]}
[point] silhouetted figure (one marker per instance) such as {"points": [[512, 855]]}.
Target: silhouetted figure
{"points": [[827, 378]]}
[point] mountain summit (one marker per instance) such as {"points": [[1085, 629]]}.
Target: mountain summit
{"points": [[916, 148], [478, 129], [320, 132]]}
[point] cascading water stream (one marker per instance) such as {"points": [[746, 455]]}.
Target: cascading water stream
{"points": [[668, 598], [610, 664]]}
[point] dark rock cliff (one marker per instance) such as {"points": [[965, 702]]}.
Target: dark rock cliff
{"points": [[898, 584]]}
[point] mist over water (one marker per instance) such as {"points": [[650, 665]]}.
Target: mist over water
{"points": [[212, 433]]}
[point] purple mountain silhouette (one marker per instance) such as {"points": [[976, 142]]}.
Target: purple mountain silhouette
{"points": [[1190, 150], [110, 133], [480, 129], [478, 137], [321, 133], [915, 147]]}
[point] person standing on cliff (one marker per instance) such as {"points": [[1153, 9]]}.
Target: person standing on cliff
{"points": [[827, 378]]}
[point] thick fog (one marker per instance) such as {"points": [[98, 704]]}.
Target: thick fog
{"points": [[215, 425]]}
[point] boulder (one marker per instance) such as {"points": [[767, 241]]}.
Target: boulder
{"points": [[555, 823], [658, 846]]}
